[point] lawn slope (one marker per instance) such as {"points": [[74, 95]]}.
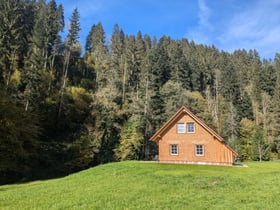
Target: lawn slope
{"points": [[142, 185]]}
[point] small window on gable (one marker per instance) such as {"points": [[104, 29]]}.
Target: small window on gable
{"points": [[199, 150], [173, 149], [190, 127], [181, 128]]}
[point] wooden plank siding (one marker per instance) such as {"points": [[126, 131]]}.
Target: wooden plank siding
{"points": [[216, 152]]}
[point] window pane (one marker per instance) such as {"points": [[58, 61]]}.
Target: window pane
{"points": [[199, 150], [174, 149], [181, 128], [190, 127]]}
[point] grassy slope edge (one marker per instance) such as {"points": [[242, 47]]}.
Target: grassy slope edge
{"points": [[142, 185]]}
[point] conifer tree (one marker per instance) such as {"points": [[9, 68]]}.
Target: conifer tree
{"points": [[71, 45], [11, 26], [39, 72], [180, 70], [95, 46], [276, 107]]}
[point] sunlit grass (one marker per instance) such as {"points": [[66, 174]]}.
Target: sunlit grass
{"points": [[141, 185]]}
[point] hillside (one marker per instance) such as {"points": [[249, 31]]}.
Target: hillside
{"points": [[145, 185], [65, 107]]}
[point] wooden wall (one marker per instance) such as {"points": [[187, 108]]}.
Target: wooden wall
{"points": [[215, 151]]}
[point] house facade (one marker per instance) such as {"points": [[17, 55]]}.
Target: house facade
{"points": [[184, 138]]}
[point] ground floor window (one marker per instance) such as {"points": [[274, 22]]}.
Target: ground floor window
{"points": [[174, 149], [199, 150]]}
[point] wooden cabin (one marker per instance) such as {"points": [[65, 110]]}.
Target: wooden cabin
{"points": [[185, 138]]}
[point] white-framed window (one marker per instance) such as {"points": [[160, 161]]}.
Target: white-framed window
{"points": [[199, 150], [173, 149], [190, 127], [181, 128]]}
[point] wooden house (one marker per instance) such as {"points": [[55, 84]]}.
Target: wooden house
{"points": [[185, 138]]}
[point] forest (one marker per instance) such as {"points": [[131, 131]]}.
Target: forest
{"points": [[65, 107]]}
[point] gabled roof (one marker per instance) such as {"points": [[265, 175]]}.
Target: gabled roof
{"points": [[157, 136]]}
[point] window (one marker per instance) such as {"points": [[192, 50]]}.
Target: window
{"points": [[174, 149], [199, 150], [190, 127], [181, 128]]}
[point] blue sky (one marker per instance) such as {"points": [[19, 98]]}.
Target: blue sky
{"points": [[227, 24]]}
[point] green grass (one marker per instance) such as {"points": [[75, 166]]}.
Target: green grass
{"points": [[142, 185]]}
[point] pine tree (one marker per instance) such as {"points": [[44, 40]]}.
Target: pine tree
{"points": [[39, 72], [11, 37], [230, 89], [95, 46], [71, 45], [180, 70], [267, 77], [160, 74], [276, 107], [117, 50]]}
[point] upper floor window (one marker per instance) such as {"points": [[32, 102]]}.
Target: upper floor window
{"points": [[181, 128], [174, 149], [199, 150], [190, 127]]}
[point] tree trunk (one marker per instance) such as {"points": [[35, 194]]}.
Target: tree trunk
{"points": [[66, 65], [124, 81]]}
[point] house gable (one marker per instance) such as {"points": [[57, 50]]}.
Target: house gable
{"points": [[193, 134]]}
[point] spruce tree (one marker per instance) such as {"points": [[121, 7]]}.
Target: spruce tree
{"points": [[276, 107], [95, 47], [11, 27], [71, 45]]}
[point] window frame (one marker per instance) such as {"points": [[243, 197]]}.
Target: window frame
{"points": [[171, 149], [199, 150], [190, 123], [183, 126]]}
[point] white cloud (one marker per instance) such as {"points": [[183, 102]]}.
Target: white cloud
{"points": [[200, 33], [256, 27], [204, 14]]}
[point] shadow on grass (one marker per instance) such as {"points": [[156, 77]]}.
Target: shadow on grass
{"points": [[239, 165]]}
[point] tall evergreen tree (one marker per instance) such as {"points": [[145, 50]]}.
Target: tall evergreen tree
{"points": [[39, 72], [11, 27], [180, 70], [276, 107], [160, 74], [96, 47], [71, 45]]}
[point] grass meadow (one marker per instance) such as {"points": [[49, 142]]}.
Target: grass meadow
{"points": [[147, 185]]}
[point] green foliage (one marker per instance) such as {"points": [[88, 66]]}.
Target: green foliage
{"points": [[261, 146], [96, 40], [247, 134], [130, 140], [19, 131], [253, 143], [74, 29], [88, 105], [10, 37]]}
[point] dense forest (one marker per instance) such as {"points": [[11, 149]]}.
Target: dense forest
{"points": [[64, 108]]}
